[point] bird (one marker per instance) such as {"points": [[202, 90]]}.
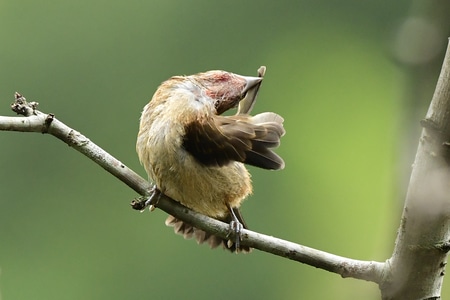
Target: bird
{"points": [[196, 155]]}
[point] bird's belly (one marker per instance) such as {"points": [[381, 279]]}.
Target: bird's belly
{"points": [[206, 190]]}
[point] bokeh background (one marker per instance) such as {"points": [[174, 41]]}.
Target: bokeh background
{"points": [[351, 78]]}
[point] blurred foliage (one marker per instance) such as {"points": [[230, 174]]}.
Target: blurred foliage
{"points": [[66, 229]]}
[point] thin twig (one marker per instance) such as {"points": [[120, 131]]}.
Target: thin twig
{"points": [[36, 121]]}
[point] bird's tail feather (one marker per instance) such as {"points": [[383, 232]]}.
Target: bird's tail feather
{"points": [[188, 231]]}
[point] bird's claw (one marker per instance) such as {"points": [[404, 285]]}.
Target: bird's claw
{"points": [[235, 230], [150, 201]]}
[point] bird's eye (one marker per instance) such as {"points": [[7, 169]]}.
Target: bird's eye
{"points": [[243, 95]]}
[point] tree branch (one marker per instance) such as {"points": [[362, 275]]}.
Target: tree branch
{"points": [[418, 263], [36, 121]]}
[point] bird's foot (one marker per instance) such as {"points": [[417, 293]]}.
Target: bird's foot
{"points": [[235, 230], [150, 201]]}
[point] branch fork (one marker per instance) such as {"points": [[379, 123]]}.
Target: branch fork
{"points": [[417, 266]]}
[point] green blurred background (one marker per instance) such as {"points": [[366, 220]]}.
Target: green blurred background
{"points": [[351, 78]]}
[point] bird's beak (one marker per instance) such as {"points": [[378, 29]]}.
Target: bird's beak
{"points": [[251, 90], [251, 82]]}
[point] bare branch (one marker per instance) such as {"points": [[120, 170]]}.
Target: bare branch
{"points": [[346, 267], [47, 123], [36, 121]]}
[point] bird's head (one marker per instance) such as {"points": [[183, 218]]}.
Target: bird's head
{"points": [[223, 88]]}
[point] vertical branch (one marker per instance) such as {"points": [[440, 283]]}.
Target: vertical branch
{"points": [[416, 269]]}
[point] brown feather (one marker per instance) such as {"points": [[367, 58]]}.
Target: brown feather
{"points": [[220, 140]]}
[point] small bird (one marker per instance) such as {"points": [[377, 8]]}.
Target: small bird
{"points": [[196, 156]]}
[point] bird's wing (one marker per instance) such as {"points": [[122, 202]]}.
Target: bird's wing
{"points": [[222, 139]]}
